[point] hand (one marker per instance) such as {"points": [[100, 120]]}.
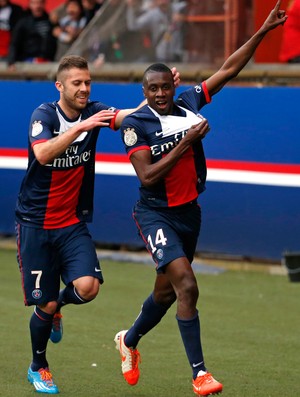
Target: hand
{"points": [[176, 77], [275, 18], [198, 131], [100, 119]]}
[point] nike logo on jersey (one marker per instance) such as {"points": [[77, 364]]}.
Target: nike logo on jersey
{"points": [[159, 133], [97, 270]]}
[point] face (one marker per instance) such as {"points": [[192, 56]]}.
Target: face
{"points": [[88, 3], [74, 86], [159, 90], [163, 4], [73, 10], [37, 7], [3, 3]]}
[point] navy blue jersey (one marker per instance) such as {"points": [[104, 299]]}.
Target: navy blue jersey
{"points": [[59, 194], [146, 129]]}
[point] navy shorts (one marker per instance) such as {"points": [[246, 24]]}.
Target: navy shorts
{"points": [[169, 233], [47, 256]]}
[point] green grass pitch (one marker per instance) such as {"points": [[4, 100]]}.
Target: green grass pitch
{"points": [[250, 324]]}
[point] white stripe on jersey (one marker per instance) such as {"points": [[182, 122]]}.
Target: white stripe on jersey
{"points": [[65, 125]]}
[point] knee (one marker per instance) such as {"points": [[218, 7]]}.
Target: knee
{"points": [[87, 287], [188, 291], [49, 307], [165, 298]]}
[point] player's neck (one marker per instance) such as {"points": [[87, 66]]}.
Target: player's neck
{"points": [[69, 112]]}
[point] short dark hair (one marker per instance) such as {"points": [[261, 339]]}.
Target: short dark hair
{"points": [[156, 67], [71, 61]]}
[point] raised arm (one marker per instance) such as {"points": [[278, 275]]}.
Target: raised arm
{"points": [[237, 61]]}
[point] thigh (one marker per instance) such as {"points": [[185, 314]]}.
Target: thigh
{"points": [[38, 266], [189, 222], [169, 234], [77, 254], [162, 233]]}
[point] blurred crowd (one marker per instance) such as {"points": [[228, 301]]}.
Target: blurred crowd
{"points": [[145, 30], [34, 35]]}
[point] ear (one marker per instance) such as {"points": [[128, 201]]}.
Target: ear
{"points": [[59, 86]]}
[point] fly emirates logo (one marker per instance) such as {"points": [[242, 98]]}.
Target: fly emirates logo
{"points": [[173, 130], [71, 158], [166, 147]]}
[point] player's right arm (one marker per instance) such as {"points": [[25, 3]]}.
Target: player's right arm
{"points": [[46, 150]]}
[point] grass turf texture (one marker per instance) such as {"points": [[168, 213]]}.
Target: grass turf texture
{"points": [[250, 333]]}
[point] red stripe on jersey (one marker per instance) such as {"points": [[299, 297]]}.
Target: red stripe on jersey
{"points": [[137, 149], [65, 184], [181, 181], [39, 141], [206, 93], [112, 123], [20, 261]]}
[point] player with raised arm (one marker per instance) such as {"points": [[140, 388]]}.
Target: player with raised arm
{"points": [[164, 143]]}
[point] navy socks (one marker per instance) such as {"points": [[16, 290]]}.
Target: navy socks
{"points": [[40, 328], [69, 295], [149, 317], [190, 334]]}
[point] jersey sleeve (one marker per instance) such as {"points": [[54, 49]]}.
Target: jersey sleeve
{"points": [[133, 135], [194, 98], [101, 106], [41, 127]]}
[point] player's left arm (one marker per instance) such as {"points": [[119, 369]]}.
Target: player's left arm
{"points": [[237, 61], [125, 112]]}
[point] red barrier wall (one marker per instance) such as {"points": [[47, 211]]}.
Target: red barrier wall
{"points": [[268, 51]]}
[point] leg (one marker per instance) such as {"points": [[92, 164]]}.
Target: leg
{"points": [[40, 281], [81, 272], [80, 268], [150, 315], [79, 292], [185, 285], [153, 309], [40, 328]]}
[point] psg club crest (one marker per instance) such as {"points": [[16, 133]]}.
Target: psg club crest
{"points": [[160, 253], [36, 293]]}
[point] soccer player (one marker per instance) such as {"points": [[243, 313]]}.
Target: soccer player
{"points": [[164, 143], [54, 203]]}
